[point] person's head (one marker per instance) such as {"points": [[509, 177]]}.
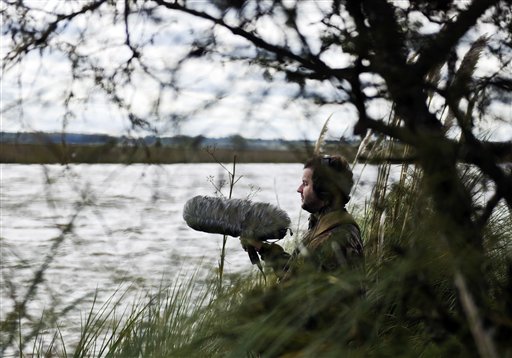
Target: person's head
{"points": [[326, 182]]}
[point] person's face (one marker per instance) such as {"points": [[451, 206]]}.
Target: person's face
{"points": [[310, 201]]}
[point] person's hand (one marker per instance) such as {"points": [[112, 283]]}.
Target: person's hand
{"points": [[246, 242]]}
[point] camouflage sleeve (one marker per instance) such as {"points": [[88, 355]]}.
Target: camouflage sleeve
{"points": [[275, 257], [343, 249]]}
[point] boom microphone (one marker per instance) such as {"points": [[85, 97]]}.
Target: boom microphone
{"points": [[236, 217]]}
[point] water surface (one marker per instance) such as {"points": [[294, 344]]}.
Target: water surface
{"points": [[127, 227]]}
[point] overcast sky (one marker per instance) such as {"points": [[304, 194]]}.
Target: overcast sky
{"points": [[40, 83]]}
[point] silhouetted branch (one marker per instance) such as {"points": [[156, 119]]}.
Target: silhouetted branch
{"points": [[486, 215], [439, 47], [32, 41], [311, 62]]}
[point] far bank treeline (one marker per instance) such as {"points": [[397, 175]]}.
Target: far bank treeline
{"points": [[59, 148], [64, 148]]}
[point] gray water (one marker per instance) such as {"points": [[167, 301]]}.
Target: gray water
{"points": [[127, 227]]}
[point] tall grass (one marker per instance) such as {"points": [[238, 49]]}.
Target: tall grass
{"points": [[158, 325]]}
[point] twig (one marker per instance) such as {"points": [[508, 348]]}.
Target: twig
{"points": [[483, 341]]}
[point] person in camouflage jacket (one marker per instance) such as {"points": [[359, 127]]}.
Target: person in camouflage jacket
{"points": [[333, 240], [321, 281]]}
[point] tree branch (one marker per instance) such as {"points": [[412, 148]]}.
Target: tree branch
{"points": [[405, 85], [42, 40], [437, 50], [478, 154], [312, 62], [491, 204]]}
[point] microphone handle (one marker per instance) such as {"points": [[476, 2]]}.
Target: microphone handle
{"points": [[254, 257]]}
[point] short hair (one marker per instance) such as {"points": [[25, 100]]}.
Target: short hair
{"points": [[332, 177]]}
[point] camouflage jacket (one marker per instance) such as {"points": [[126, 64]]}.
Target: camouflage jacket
{"points": [[332, 242]]}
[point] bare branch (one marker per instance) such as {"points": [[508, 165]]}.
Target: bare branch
{"points": [[34, 42], [312, 62], [439, 47]]}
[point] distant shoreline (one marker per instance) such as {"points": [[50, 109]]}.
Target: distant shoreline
{"points": [[112, 153], [64, 148], [52, 153]]}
